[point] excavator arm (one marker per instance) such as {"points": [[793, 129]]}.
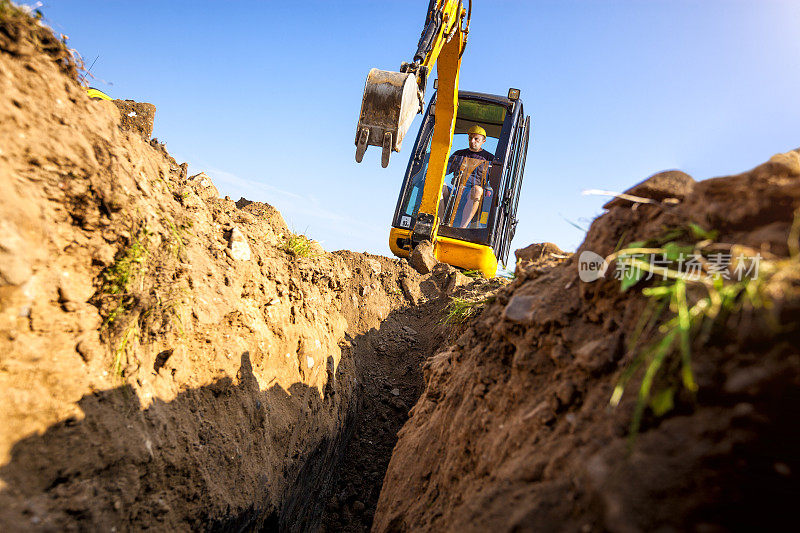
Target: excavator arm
{"points": [[391, 99]]}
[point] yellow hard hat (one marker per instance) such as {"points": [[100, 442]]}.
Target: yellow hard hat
{"points": [[478, 130]]}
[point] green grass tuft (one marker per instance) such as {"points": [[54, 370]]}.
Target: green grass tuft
{"points": [[297, 245], [131, 332], [459, 310], [117, 279], [695, 304]]}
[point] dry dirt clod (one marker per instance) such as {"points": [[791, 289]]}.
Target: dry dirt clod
{"points": [[412, 291], [669, 184], [203, 186], [90, 350], [422, 258], [538, 256], [137, 117], [14, 269]]}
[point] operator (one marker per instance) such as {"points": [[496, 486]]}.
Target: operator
{"points": [[473, 190]]}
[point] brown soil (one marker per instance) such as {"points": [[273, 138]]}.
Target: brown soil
{"points": [[514, 430], [170, 361]]}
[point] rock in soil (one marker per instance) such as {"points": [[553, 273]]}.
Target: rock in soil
{"points": [[422, 258]]}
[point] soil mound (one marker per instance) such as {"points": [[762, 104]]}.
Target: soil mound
{"points": [[515, 430], [538, 255]]}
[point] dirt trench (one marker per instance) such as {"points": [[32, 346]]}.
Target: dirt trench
{"points": [[174, 360]]}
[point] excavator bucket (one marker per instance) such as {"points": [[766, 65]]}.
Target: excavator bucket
{"points": [[387, 110]]}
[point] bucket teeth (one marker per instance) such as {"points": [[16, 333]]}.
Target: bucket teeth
{"points": [[387, 149], [361, 145]]}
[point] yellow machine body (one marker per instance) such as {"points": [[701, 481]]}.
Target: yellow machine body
{"points": [[95, 93], [463, 254]]}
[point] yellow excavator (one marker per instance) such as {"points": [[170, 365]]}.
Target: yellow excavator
{"points": [[472, 218]]}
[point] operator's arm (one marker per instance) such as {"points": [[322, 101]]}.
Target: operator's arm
{"points": [[453, 163]]}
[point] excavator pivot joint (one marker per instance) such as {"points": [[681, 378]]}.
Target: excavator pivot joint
{"points": [[423, 229]]}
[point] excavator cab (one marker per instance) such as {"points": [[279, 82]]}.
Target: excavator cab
{"points": [[471, 238]]}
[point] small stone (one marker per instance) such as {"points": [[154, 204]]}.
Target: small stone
{"points": [[238, 248], [519, 309], [597, 355], [422, 258], [161, 506], [395, 392], [398, 404], [565, 393], [374, 265], [748, 380]]}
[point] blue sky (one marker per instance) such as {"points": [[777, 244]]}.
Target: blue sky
{"points": [[264, 96]]}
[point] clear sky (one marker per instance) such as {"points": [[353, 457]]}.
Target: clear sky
{"points": [[264, 96]]}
